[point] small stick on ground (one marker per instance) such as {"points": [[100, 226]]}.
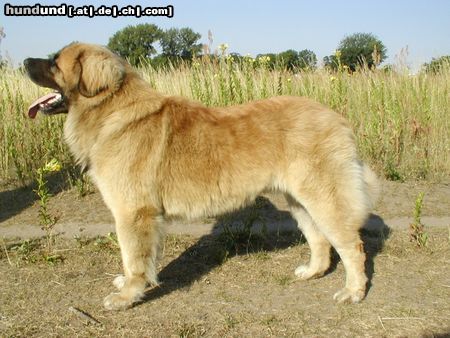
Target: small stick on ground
{"points": [[381, 322], [97, 279], [56, 282], [6, 251], [402, 318], [83, 315]]}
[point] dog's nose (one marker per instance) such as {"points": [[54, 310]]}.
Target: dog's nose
{"points": [[26, 62]]}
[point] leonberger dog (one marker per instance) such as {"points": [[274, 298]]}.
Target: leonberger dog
{"points": [[154, 156]]}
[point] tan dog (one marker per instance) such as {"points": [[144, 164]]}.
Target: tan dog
{"points": [[153, 156]]}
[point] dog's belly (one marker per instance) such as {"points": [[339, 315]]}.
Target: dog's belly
{"points": [[195, 201]]}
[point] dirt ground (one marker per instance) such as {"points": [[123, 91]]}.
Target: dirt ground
{"points": [[219, 278]]}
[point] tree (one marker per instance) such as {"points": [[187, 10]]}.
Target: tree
{"points": [[307, 60], [358, 50], [189, 43], [292, 60], [331, 62], [181, 43], [288, 59], [135, 42], [169, 42], [437, 65]]}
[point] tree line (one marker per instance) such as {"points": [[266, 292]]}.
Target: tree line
{"points": [[137, 44], [359, 50]]}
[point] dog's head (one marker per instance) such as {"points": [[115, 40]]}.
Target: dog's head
{"points": [[78, 72]]}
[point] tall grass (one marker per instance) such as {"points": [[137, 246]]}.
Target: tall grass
{"points": [[402, 122], [25, 144]]}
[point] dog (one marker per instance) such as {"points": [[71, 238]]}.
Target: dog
{"points": [[153, 156]]}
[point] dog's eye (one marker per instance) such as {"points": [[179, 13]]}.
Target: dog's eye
{"points": [[53, 65]]}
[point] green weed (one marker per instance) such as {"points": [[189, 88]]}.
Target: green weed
{"points": [[32, 251], [46, 219], [418, 235], [83, 185], [283, 280], [109, 242]]}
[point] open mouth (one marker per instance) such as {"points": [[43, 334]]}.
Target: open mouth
{"points": [[49, 104]]}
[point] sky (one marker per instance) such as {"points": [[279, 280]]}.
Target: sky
{"points": [[420, 27]]}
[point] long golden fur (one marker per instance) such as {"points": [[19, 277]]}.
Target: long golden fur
{"points": [[153, 156]]}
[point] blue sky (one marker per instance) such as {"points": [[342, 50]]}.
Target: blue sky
{"points": [[250, 26]]}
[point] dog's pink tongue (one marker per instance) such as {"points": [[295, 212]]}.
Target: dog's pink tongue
{"points": [[34, 108]]}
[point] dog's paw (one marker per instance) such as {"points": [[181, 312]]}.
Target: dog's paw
{"points": [[119, 282], [304, 272], [116, 302], [346, 296]]}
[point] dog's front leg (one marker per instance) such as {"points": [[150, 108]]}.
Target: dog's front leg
{"points": [[139, 235]]}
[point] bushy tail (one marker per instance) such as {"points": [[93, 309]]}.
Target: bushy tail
{"points": [[372, 183]]}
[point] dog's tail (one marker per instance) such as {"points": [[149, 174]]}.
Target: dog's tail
{"points": [[372, 184]]}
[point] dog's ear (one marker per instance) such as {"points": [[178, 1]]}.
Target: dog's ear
{"points": [[99, 73]]}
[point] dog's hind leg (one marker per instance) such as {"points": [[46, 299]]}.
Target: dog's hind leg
{"points": [[339, 219], [319, 245], [139, 236], [343, 234]]}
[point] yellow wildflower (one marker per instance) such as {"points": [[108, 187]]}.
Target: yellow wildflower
{"points": [[52, 166], [264, 59]]}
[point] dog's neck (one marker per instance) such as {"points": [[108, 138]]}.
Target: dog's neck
{"points": [[84, 127]]}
